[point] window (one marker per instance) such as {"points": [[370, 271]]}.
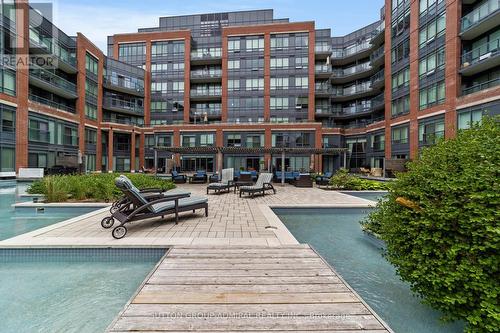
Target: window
{"points": [[164, 140], [279, 103], [401, 24], [233, 64], [467, 118], [279, 63], [255, 141], [90, 162], [90, 111], [301, 62], [233, 45], [255, 44], [188, 140], [254, 64], [302, 82], [432, 95], [396, 4], [91, 88], [279, 41], [7, 121], [400, 106], [7, 81], [432, 30], [429, 133], [91, 64], [301, 41], [159, 87], [254, 84], [159, 49], [431, 63], [7, 159], [279, 83], [178, 86], [149, 141], [400, 135], [131, 51], [428, 5], [234, 140], [90, 136], [206, 140], [401, 79], [233, 85], [401, 51], [378, 142]]}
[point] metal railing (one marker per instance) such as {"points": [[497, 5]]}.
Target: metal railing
{"points": [[322, 69], [479, 14], [481, 86], [52, 78], [53, 104], [206, 53], [352, 70], [136, 85], [123, 104], [480, 53], [206, 73], [353, 90], [346, 52], [322, 48], [206, 92]]}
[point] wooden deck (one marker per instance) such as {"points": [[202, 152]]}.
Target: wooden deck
{"points": [[230, 289]]}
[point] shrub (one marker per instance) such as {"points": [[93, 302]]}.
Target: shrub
{"points": [[96, 187], [440, 224], [342, 180]]}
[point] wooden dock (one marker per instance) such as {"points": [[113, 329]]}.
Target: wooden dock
{"points": [[228, 289]]}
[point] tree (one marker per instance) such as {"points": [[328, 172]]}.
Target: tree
{"points": [[441, 226]]}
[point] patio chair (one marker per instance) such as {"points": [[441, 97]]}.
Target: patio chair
{"points": [[178, 178], [225, 184], [174, 204], [262, 185], [199, 177], [323, 180]]}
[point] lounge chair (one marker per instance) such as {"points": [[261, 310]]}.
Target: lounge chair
{"points": [[262, 185], [323, 180], [225, 184], [199, 177], [178, 178], [143, 209]]}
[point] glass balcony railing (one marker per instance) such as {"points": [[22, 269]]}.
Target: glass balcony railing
{"points": [[208, 112], [206, 92], [322, 69], [481, 53], [206, 73], [51, 78], [53, 104], [351, 70], [352, 90], [378, 77], [377, 54], [116, 103], [127, 83], [122, 121], [479, 14], [351, 50], [380, 28], [206, 53], [481, 86], [325, 109], [319, 48], [323, 88]]}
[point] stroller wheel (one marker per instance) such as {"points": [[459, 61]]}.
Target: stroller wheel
{"points": [[107, 222], [114, 209], [119, 232]]}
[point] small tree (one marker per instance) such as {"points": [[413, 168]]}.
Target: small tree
{"points": [[441, 226]]}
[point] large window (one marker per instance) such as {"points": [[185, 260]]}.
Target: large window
{"points": [[279, 41], [467, 118], [279, 103], [401, 24], [401, 51], [399, 135], [432, 30], [90, 136], [207, 140], [400, 106], [91, 88], [7, 120], [7, 81], [90, 111], [302, 82], [254, 84], [233, 64], [428, 5], [255, 44], [279, 63], [432, 63], [279, 83], [170, 48], [234, 140], [401, 79], [7, 159], [233, 45], [91, 64], [432, 95], [429, 133]]}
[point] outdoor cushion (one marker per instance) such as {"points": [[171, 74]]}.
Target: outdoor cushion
{"points": [[184, 202]]}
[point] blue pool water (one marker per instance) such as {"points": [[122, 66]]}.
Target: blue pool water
{"points": [[373, 196], [337, 236], [68, 290], [13, 223]]}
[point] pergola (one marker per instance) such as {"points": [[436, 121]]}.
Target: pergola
{"points": [[219, 151]]}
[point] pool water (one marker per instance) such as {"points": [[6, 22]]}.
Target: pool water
{"points": [[373, 196], [337, 236], [69, 290], [14, 223]]}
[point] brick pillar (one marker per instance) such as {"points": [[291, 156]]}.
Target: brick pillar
{"points": [[453, 53], [141, 150], [177, 143], [132, 152], [22, 84], [110, 150], [414, 80], [98, 153]]}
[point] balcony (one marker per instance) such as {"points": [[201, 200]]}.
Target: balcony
{"points": [[123, 106], [52, 104], [323, 90], [353, 111], [482, 58], [122, 121], [351, 53], [322, 71], [378, 80], [200, 114], [124, 85], [206, 76], [66, 60], [377, 58], [481, 86], [325, 110], [206, 94], [378, 102], [353, 73], [481, 19], [352, 92], [49, 81], [322, 51], [206, 56], [378, 36]]}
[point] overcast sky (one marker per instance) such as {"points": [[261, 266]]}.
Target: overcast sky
{"points": [[98, 19]]}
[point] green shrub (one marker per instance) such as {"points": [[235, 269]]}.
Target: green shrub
{"points": [[440, 224], [95, 187], [342, 180]]}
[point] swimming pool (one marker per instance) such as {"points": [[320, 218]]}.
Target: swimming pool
{"points": [[337, 236], [15, 223], [69, 290], [368, 195]]}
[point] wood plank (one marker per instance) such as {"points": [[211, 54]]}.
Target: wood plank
{"points": [[164, 310], [310, 254], [269, 288], [332, 323], [244, 272], [224, 279], [216, 261], [167, 297], [229, 266], [322, 331]]}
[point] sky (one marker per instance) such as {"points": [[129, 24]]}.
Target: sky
{"points": [[97, 19]]}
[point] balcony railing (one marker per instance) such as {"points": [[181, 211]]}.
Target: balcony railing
{"points": [[481, 86], [377, 54], [351, 70], [122, 121], [378, 77], [53, 104], [353, 90], [208, 112], [320, 69], [136, 85], [207, 53], [480, 53], [346, 52], [325, 109], [321, 88], [207, 74], [123, 105], [52, 78], [322, 48], [206, 92], [479, 14]]}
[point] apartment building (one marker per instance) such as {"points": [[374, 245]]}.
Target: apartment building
{"points": [[246, 79]]}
